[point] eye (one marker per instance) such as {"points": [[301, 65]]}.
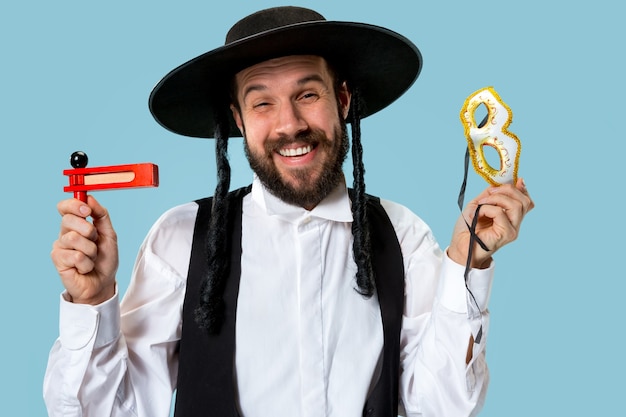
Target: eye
{"points": [[261, 106], [309, 96]]}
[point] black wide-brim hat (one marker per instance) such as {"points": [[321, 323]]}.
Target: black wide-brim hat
{"points": [[381, 63]]}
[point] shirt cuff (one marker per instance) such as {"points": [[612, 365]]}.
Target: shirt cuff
{"points": [[452, 291], [81, 325]]}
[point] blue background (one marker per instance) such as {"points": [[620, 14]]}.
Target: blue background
{"points": [[77, 75]]}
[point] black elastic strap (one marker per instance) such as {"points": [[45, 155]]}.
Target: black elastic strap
{"points": [[460, 200], [473, 236]]}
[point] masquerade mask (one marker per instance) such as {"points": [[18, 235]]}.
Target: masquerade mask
{"points": [[492, 131]]}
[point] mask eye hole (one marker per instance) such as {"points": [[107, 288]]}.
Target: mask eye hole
{"points": [[492, 157], [480, 115]]}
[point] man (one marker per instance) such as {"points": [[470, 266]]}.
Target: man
{"points": [[294, 296]]}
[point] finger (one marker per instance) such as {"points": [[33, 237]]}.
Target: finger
{"points": [[73, 206], [101, 218], [72, 223], [521, 185], [76, 242], [520, 192], [499, 226], [70, 261], [509, 206], [509, 198]]}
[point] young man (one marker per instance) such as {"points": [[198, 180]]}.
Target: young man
{"points": [[294, 296]]}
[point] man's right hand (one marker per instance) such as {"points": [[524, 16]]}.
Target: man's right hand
{"points": [[86, 254]]}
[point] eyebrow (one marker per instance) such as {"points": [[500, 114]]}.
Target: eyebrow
{"points": [[312, 77], [251, 88], [262, 87]]}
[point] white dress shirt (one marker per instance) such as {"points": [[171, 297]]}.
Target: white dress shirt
{"points": [[307, 344]]}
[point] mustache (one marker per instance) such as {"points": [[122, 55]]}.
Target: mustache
{"points": [[310, 137]]}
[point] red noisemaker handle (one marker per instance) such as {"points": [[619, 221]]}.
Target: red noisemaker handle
{"points": [[111, 177]]}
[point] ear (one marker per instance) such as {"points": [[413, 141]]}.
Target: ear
{"points": [[237, 117], [345, 96]]}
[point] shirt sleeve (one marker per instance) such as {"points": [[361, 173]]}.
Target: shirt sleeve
{"points": [[119, 358], [435, 379]]}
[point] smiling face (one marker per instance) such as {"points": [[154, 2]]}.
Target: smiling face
{"points": [[291, 114]]}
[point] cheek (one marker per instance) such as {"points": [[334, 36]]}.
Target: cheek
{"points": [[254, 144], [254, 131], [326, 120]]}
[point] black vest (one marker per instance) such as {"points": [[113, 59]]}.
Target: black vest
{"points": [[206, 362]]}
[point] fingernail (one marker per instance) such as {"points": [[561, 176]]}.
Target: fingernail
{"points": [[84, 210]]}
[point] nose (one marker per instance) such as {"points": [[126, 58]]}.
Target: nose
{"points": [[290, 121]]}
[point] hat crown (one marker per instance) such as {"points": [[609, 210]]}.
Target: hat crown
{"points": [[269, 19]]}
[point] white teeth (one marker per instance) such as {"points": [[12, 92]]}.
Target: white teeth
{"points": [[296, 152]]}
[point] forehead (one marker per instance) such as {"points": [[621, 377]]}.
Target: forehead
{"points": [[283, 68]]}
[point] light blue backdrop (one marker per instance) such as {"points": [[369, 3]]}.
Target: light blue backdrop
{"points": [[76, 75]]}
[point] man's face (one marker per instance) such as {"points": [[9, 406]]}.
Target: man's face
{"points": [[293, 123]]}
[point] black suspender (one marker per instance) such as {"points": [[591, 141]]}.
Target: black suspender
{"points": [[206, 362]]}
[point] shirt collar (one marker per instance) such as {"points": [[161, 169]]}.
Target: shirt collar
{"points": [[335, 207]]}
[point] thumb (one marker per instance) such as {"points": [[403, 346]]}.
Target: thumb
{"points": [[101, 218]]}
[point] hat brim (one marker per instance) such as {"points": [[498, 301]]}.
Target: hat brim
{"points": [[382, 63]]}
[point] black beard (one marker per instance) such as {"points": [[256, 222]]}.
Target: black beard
{"points": [[308, 194]]}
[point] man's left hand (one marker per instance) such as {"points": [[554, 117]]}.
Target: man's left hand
{"points": [[499, 219]]}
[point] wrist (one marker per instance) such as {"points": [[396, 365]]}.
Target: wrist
{"points": [[460, 257], [481, 264], [104, 295]]}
